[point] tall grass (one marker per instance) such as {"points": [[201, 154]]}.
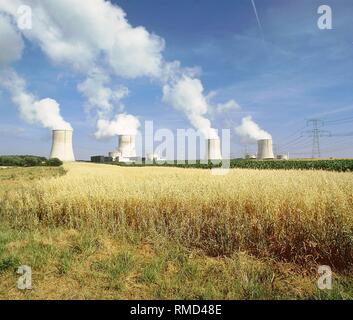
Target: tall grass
{"points": [[304, 217]]}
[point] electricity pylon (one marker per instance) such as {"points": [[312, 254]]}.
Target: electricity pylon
{"points": [[316, 133]]}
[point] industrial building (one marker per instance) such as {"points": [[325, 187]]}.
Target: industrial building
{"points": [[250, 156], [126, 151], [282, 157], [101, 159]]}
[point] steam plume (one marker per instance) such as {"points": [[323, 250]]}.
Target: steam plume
{"points": [[122, 124], [186, 95], [45, 112], [96, 35], [250, 131]]}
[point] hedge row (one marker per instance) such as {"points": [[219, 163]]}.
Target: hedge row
{"points": [[28, 161]]}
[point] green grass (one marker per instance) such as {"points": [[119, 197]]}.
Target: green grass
{"points": [[8, 263], [68, 266]]}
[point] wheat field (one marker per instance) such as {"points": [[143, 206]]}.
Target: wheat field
{"points": [[272, 220]]}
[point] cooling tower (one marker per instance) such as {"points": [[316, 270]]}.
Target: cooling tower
{"points": [[62, 145], [265, 150], [213, 151], [127, 146]]}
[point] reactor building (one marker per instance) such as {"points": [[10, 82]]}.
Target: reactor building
{"points": [[126, 151]]}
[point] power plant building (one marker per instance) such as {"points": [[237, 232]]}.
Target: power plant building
{"points": [[126, 151], [101, 159], [153, 157], [250, 156], [282, 157]]}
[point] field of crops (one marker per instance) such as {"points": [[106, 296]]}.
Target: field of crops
{"points": [[103, 231], [339, 165]]}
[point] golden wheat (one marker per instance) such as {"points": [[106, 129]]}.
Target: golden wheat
{"points": [[299, 216]]}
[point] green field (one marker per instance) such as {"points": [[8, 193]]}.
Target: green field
{"points": [[339, 165]]}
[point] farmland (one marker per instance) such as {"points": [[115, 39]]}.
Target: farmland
{"points": [[102, 231], [339, 165]]}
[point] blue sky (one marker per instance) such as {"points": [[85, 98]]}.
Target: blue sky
{"points": [[290, 72]]}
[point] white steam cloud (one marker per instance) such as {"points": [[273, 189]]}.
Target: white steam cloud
{"points": [[96, 35], [250, 131], [45, 112], [83, 33], [11, 43], [186, 95], [122, 124], [100, 96], [227, 106]]}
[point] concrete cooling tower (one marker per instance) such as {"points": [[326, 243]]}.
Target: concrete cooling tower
{"points": [[265, 149], [213, 151], [127, 147], [62, 145]]}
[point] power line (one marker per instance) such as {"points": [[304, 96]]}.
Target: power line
{"points": [[316, 133], [338, 121], [347, 134], [291, 142], [299, 140], [292, 135]]}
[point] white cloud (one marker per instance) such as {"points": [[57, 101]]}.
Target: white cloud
{"points": [[11, 44], [83, 34], [45, 112], [122, 124], [250, 131], [186, 95], [91, 36], [220, 108], [99, 95], [227, 106], [96, 35]]}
